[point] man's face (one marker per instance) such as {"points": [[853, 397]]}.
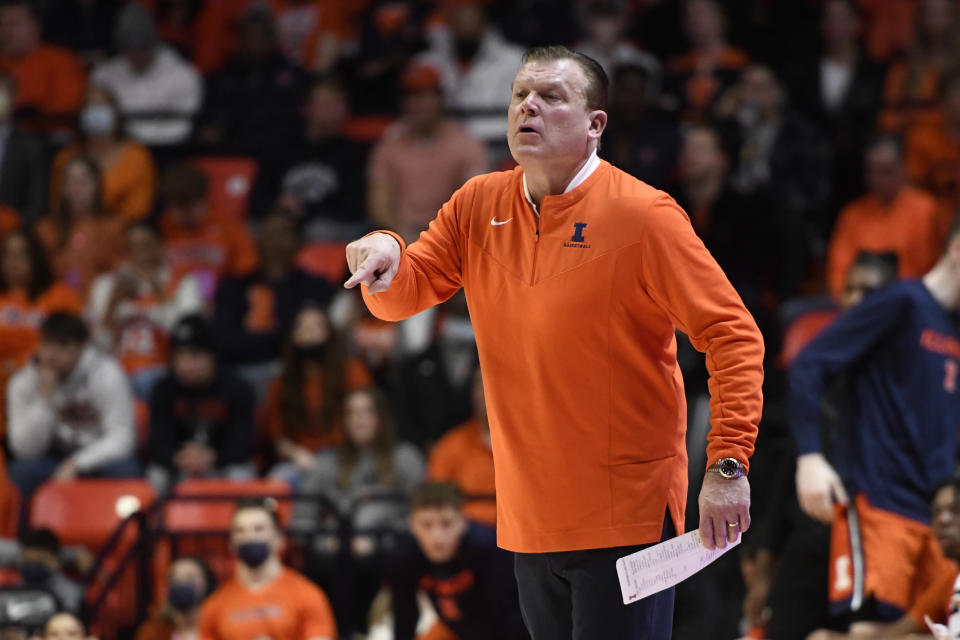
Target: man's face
{"points": [[760, 90], [945, 517], [840, 23], [549, 117], [60, 357], [423, 109], [884, 171], [193, 367], [438, 532], [255, 525], [278, 240], [700, 155], [63, 626], [326, 109], [19, 31]]}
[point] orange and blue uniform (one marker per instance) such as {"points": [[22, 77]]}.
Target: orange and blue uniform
{"points": [[575, 311]]}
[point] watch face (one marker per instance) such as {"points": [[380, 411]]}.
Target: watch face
{"points": [[729, 467]]}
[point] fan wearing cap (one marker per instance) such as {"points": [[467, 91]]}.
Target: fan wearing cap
{"points": [[201, 414], [421, 159], [264, 599]]}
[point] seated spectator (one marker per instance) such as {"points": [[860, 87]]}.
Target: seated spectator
{"points": [[201, 415], [133, 308], [933, 151], [310, 31], [80, 238], [468, 579], [891, 216], [65, 626], [41, 567], [464, 457], [189, 582], [158, 91], [639, 139], [129, 173], [420, 160], [305, 404], [911, 88], [299, 610], [605, 42], [254, 99], [476, 67], [699, 77], [198, 239], [254, 313], [50, 80], [937, 603], [23, 172], [69, 412], [319, 176]]}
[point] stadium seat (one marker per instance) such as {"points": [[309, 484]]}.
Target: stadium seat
{"points": [[214, 515], [231, 180], [325, 260], [86, 512]]}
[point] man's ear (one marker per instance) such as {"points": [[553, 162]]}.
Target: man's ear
{"points": [[598, 122]]}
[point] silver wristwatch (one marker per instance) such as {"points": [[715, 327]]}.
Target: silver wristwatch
{"points": [[729, 468]]}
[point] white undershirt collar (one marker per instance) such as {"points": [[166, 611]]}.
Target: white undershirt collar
{"points": [[588, 168]]}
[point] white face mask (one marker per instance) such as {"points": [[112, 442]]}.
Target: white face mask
{"points": [[98, 120]]}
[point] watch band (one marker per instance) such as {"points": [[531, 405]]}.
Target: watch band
{"points": [[729, 468]]}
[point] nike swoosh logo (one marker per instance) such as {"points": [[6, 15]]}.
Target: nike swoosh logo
{"points": [[495, 223]]}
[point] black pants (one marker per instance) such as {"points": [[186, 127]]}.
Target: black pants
{"points": [[575, 595]]}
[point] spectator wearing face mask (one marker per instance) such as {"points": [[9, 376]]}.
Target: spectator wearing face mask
{"points": [[41, 567], [298, 609], [23, 170], [189, 582], [304, 407], [129, 173]]}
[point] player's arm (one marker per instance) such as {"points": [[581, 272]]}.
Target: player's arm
{"points": [[838, 347], [401, 281]]}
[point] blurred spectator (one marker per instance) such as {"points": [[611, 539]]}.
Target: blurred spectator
{"points": [[390, 32], [638, 138], [369, 462], [158, 91], [79, 237], [933, 150], [298, 609], [69, 412], [28, 293], [198, 239], [420, 160], [891, 216], [305, 404], [189, 582], [310, 31], [41, 567], [133, 308], [605, 42], [23, 174], [254, 313], [83, 26], [253, 100], [696, 79], [869, 272], [774, 148], [129, 173], [464, 456], [201, 414], [469, 580], [65, 626], [477, 67], [912, 85], [50, 80], [889, 27], [841, 92], [320, 176]]}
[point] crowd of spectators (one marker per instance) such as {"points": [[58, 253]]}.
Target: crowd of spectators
{"points": [[147, 331]]}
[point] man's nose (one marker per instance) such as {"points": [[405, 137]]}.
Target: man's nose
{"points": [[530, 105]]}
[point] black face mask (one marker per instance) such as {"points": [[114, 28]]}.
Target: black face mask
{"points": [[183, 596], [312, 352], [35, 573], [466, 49], [253, 554]]}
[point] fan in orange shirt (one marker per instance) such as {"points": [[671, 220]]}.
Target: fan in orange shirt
{"points": [[933, 150], [464, 456], [129, 173], [50, 79], [892, 216], [264, 599], [198, 240], [80, 239]]}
